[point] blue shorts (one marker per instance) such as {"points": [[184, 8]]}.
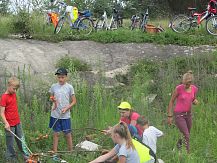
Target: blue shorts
{"points": [[63, 125]]}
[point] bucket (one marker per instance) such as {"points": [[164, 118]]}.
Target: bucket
{"points": [[151, 28]]}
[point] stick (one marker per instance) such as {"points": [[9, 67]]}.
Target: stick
{"points": [[48, 132], [19, 139], [55, 123], [89, 128]]}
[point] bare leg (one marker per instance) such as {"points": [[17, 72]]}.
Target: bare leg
{"points": [[69, 141], [55, 141]]}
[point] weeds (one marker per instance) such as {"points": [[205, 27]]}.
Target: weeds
{"points": [[97, 107], [72, 64]]}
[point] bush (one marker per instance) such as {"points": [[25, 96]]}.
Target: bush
{"points": [[72, 64], [21, 23]]}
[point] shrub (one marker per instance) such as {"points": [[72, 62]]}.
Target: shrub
{"points": [[72, 64], [21, 23]]}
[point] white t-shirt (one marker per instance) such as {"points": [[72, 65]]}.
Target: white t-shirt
{"points": [[63, 94], [150, 136]]}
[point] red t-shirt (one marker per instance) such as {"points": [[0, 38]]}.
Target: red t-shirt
{"points": [[133, 116], [9, 101]]}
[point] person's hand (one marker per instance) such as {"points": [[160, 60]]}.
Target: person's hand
{"points": [[169, 120], [7, 126], [64, 110], [108, 131], [195, 102]]}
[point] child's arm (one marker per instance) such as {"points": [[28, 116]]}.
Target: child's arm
{"points": [[158, 132], [53, 99], [70, 105], [104, 157], [2, 112]]}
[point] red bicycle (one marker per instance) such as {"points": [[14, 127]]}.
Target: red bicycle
{"points": [[183, 23]]}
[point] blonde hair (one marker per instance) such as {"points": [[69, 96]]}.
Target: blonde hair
{"points": [[188, 75], [13, 81], [122, 130]]}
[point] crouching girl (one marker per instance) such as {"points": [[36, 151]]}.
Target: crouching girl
{"points": [[124, 148]]}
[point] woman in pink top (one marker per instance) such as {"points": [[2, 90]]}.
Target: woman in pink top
{"points": [[184, 95]]}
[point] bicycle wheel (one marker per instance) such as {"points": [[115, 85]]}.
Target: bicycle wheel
{"points": [[100, 25], [181, 24], [59, 25], [114, 25], [211, 25], [85, 26], [134, 24], [143, 25]]}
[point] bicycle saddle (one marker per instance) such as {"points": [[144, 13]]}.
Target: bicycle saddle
{"points": [[191, 8]]}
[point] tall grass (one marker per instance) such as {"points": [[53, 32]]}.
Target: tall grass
{"points": [[97, 108], [5, 26]]}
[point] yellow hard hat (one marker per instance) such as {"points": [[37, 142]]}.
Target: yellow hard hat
{"points": [[124, 105]]}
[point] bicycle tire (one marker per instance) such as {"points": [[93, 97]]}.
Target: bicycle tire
{"points": [[114, 25], [212, 19], [59, 25], [183, 26], [100, 25], [134, 24], [143, 26], [85, 26]]}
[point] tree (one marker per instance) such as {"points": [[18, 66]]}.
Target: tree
{"points": [[180, 6], [4, 6]]}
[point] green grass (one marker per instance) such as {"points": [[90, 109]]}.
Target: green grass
{"points": [[72, 64], [97, 108], [5, 26], [41, 31]]}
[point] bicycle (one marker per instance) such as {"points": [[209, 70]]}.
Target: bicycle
{"points": [[104, 23], [84, 23], [137, 22], [183, 23]]}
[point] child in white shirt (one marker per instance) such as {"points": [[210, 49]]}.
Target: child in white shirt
{"points": [[150, 133]]}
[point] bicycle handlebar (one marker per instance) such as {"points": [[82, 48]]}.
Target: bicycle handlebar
{"points": [[62, 4]]}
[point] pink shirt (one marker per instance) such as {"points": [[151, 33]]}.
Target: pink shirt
{"points": [[184, 99], [133, 116]]}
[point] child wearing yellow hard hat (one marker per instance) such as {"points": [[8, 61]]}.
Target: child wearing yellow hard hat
{"points": [[129, 116]]}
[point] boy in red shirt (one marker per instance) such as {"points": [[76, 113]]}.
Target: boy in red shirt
{"points": [[11, 119]]}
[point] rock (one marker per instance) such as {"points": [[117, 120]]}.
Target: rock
{"points": [[118, 71], [88, 145]]}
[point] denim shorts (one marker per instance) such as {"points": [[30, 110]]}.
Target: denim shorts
{"points": [[59, 125]]}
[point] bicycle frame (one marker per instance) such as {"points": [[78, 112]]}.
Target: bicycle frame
{"points": [[106, 21], [201, 16], [144, 19]]}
